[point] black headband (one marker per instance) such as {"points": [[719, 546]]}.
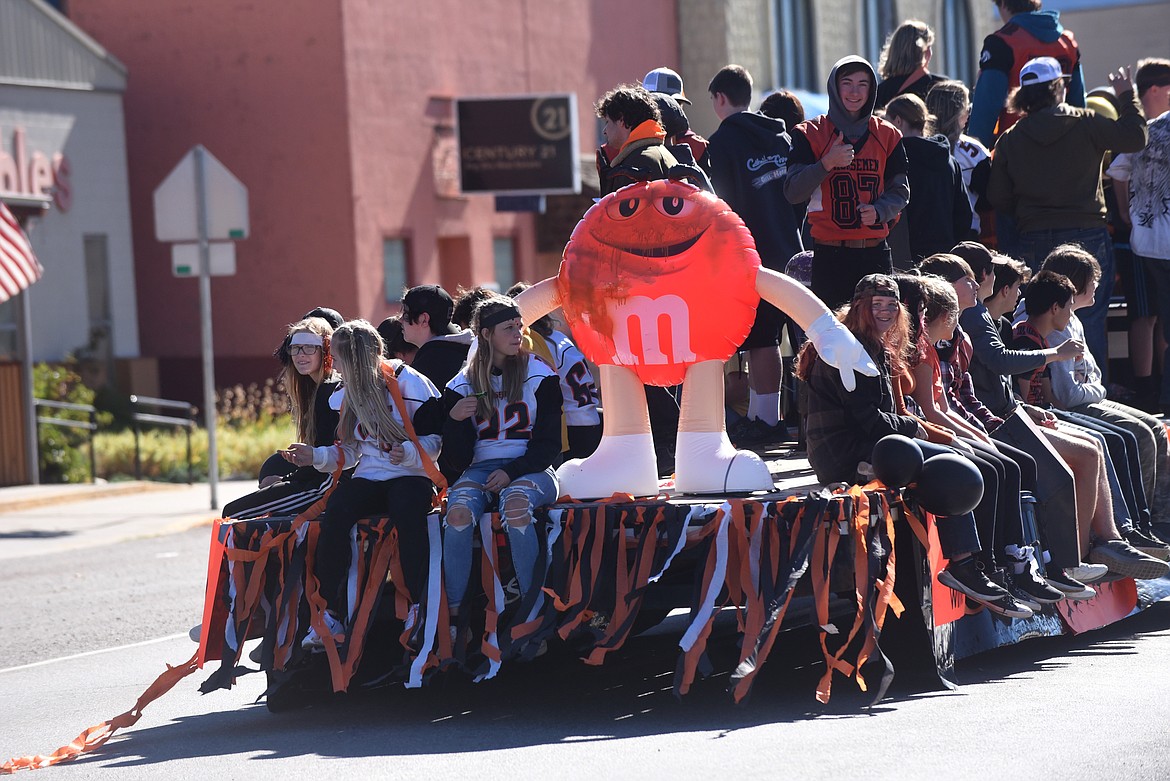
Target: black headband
{"points": [[499, 316]]}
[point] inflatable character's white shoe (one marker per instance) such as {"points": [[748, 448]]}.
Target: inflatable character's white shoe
{"points": [[621, 464], [707, 463]]}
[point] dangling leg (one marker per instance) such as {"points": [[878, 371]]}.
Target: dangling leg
{"points": [[624, 461], [705, 459]]}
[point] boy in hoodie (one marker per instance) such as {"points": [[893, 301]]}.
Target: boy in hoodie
{"points": [[939, 215], [748, 158], [851, 167], [1046, 175], [1028, 32]]}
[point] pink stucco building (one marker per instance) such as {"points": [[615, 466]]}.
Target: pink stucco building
{"points": [[336, 114]]}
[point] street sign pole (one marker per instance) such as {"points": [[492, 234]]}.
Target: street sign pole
{"points": [[209, 409]]}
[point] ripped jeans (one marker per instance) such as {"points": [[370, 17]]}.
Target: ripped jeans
{"points": [[467, 501]]}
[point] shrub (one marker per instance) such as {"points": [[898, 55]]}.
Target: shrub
{"points": [[163, 452], [64, 451]]}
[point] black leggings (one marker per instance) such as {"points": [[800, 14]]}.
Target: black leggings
{"points": [[407, 500], [998, 515]]}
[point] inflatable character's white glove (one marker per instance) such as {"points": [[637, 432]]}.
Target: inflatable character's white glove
{"points": [[840, 349]]}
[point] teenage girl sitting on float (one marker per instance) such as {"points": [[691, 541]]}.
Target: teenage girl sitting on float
{"points": [[309, 380], [843, 426], [390, 476], [503, 430]]}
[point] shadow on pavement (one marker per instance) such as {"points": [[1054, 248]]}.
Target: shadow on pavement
{"points": [[556, 700]]}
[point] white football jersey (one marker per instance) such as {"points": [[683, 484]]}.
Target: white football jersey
{"points": [[507, 433], [577, 387]]}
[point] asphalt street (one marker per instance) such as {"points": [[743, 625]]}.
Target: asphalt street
{"points": [[85, 629]]}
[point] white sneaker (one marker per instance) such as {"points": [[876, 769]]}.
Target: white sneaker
{"points": [[1087, 573], [333, 624]]}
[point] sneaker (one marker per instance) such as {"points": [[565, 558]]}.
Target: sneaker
{"points": [[1147, 545], [333, 624], [753, 432], [1086, 573], [1121, 558], [1028, 583], [1008, 606], [1071, 587], [1160, 531], [967, 578]]}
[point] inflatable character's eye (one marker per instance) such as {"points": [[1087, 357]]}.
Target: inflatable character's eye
{"points": [[674, 207], [624, 208]]}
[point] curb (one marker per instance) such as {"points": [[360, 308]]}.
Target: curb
{"points": [[78, 494]]}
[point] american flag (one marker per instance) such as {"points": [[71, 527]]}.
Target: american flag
{"points": [[18, 265]]}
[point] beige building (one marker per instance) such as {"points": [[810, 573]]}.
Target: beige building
{"points": [[794, 43], [1117, 33]]}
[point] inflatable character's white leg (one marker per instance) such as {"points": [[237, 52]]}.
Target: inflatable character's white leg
{"points": [[705, 460], [624, 461]]}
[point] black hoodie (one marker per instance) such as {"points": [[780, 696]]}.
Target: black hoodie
{"points": [[748, 160], [939, 213]]}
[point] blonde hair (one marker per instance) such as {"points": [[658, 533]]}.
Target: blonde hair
{"points": [[302, 388], [479, 371], [357, 350], [947, 100], [905, 49], [911, 110]]}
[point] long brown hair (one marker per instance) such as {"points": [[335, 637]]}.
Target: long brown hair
{"points": [[357, 350], [479, 370], [858, 318], [302, 388]]}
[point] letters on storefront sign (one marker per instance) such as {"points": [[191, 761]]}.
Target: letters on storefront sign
{"points": [[35, 174]]}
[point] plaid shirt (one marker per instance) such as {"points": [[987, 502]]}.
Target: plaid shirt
{"points": [[960, 390], [1025, 337]]}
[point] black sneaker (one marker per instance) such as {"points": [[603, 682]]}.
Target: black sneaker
{"points": [[1147, 545], [1160, 531], [1008, 606], [1071, 587], [742, 433], [765, 435], [1121, 559], [967, 578], [1031, 584]]}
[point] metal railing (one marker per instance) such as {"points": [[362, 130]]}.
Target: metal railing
{"points": [[90, 426], [187, 423]]}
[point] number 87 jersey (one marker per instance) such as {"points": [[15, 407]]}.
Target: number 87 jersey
{"points": [[833, 213]]}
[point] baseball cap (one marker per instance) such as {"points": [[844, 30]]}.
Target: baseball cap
{"points": [[433, 300], [667, 82], [1040, 70]]}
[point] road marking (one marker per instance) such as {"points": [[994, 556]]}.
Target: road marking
{"points": [[94, 653]]}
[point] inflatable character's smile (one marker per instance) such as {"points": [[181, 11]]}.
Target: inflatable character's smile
{"points": [[662, 252]]}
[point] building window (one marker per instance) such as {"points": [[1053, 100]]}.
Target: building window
{"points": [[395, 269], [879, 18], [504, 256], [958, 46], [794, 49]]}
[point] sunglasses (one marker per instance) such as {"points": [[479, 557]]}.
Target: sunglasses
{"points": [[304, 349]]}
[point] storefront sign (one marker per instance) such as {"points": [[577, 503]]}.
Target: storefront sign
{"points": [[523, 145], [25, 172]]}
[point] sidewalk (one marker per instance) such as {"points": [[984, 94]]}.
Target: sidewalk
{"points": [[40, 519]]}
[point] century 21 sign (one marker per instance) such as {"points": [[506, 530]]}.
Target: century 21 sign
{"points": [[519, 145], [33, 173]]}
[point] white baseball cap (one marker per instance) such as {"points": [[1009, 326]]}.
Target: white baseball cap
{"points": [[1040, 70]]}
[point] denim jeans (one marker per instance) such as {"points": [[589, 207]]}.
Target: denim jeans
{"points": [[1035, 246], [538, 488]]}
